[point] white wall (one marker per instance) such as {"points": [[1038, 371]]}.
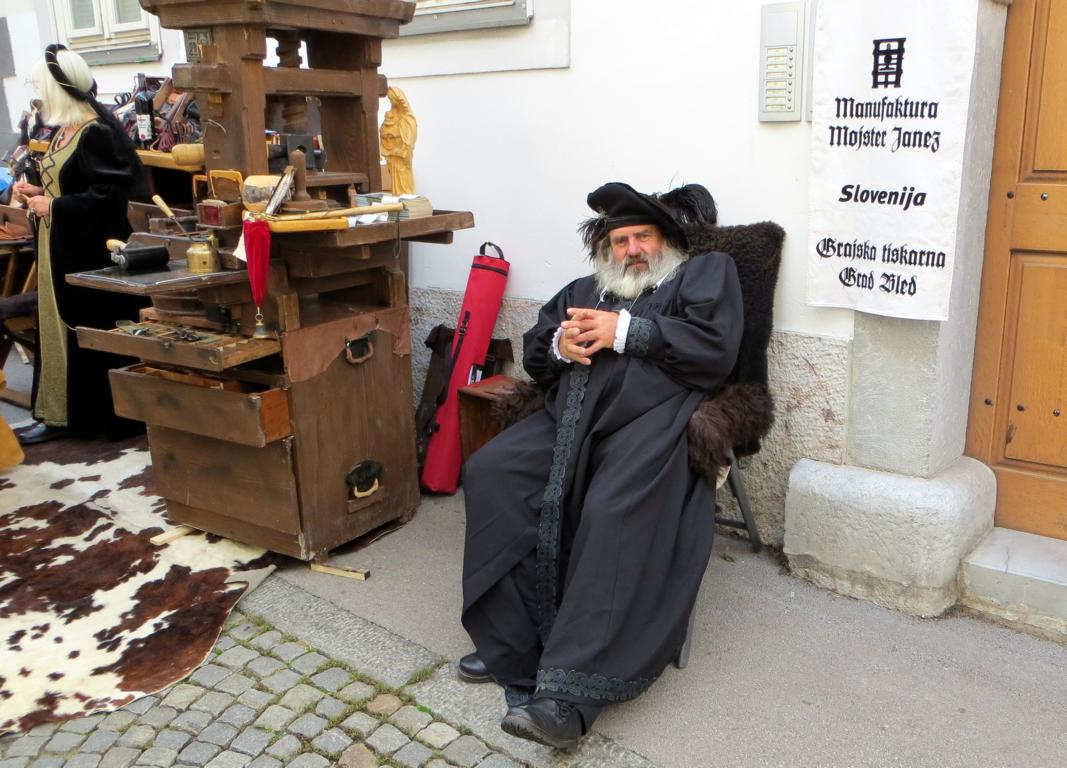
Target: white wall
{"points": [[656, 94]]}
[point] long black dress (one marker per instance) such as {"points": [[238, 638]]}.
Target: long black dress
{"points": [[89, 180], [587, 533]]}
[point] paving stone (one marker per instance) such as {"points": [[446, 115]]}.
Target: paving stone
{"points": [[275, 717], [64, 742], [48, 762], [301, 697], [182, 695], [412, 755], [252, 741], [310, 761], [498, 761], [245, 632], [82, 724], [198, 753], [27, 746], [209, 674], [387, 740], [192, 721], [119, 757], [465, 751], [171, 739], [265, 761], [44, 729], [267, 640], [331, 708], [158, 717], [161, 757], [360, 723], [438, 763], [139, 736], [289, 651], [255, 699], [19, 762], [309, 663], [384, 704], [236, 657], [281, 680], [117, 721], [308, 726], [332, 679], [224, 644], [234, 619], [238, 716], [213, 702], [218, 733], [235, 684], [285, 748], [100, 741], [333, 742], [357, 756], [142, 705], [357, 692], [80, 760], [229, 759], [264, 666], [438, 735], [410, 720]]}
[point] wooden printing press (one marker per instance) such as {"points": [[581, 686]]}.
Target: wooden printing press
{"points": [[253, 438]]}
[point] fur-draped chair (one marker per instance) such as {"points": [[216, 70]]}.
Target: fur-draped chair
{"points": [[732, 421]]}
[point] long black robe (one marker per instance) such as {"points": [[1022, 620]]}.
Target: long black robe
{"points": [[587, 533], [93, 191]]}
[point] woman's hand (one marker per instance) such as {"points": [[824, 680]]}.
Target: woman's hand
{"points": [[41, 205], [23, 190]]}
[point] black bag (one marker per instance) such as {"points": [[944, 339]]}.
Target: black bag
{"points": [[438, 375]]}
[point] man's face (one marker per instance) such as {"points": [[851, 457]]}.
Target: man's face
{"points": [[635, 246]]}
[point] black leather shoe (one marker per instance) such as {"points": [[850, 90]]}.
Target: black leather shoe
{"points": [[517, 695], [42, 433], [547, 721], [472, 669]]}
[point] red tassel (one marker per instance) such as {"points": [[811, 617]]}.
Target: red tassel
{"points": [[257, 251]]}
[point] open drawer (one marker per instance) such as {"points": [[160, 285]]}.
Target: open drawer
{"points": [[202, 405], [177, 345]]}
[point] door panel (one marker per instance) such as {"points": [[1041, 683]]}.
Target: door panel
{"points": [[1018, 424]]}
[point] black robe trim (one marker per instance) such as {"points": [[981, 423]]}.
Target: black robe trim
{"points": [[548, 526], [637, 337], [595, 687]]}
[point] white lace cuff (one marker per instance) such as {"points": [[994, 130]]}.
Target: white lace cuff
{"points": [[555, 348], [621, 330]]}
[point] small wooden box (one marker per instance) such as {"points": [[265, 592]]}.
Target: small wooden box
{"points": [[476, 424]]}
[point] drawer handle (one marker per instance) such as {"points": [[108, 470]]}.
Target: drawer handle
{"points": [[363, 479], [358, 494], [359, 350]]}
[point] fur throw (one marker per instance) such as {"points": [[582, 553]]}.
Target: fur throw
{"points": [[733, 420]]}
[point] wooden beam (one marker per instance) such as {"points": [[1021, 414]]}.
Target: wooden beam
{"points": [[289, 81], [202, 77], [359, 574]]}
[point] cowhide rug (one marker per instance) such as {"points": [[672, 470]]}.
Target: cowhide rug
{"points": [[92, 614]]}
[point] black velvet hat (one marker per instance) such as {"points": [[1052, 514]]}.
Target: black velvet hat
{"points": [[620, 205]]}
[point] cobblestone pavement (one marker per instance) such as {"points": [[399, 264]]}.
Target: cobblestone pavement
{"points": [[263, 700]]}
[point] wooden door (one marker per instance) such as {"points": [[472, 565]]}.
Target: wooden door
{"points": [[1018, 411]]}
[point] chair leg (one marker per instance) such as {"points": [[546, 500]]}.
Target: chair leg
{"points": [[737, 487], [682, 660]]}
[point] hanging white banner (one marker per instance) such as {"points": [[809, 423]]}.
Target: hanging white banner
{"points": [[890, 91]]}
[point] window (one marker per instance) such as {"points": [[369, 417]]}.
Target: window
{"points": [[452, 15], [107, 31]]}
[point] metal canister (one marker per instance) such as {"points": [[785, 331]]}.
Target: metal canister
{"points": [[202, 255]]}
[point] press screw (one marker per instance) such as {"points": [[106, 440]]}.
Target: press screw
{"points": [[1044, 195], [1011, 195], [989, 401], [1020, 407]]}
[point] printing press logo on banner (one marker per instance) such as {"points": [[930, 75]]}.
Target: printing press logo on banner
{"points": [[888, 62]]}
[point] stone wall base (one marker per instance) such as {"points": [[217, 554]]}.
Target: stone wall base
{"points": [[895, 540]]}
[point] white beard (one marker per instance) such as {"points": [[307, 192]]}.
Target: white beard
{"points": [[613, 276]]}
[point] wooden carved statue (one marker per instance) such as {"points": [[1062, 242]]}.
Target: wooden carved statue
{"points": [[397, 137]]}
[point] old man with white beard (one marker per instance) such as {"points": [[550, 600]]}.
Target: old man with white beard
{"points": [[587, 532]]}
